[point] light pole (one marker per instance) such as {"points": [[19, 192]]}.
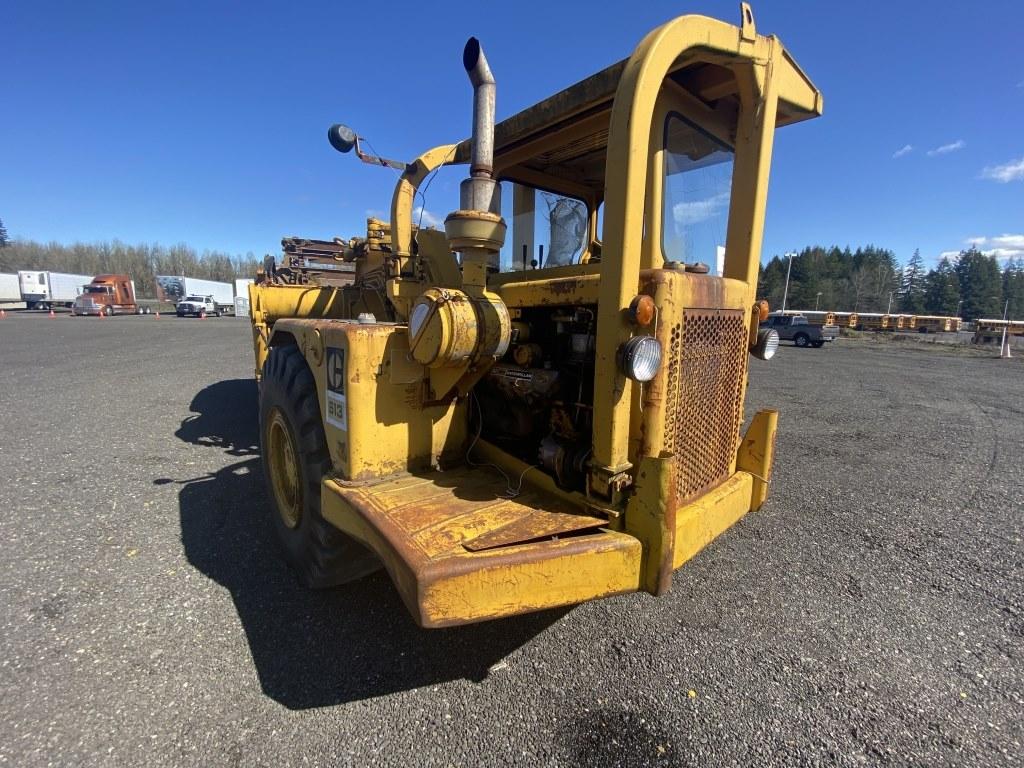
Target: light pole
{"points": [[817, 298], [958, 305], [785, 292]]}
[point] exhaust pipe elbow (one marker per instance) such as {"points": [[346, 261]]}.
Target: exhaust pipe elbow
{"points": [[475, 62], [473, 59]]}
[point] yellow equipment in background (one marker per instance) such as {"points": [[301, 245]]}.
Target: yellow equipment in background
{"points": [[505, 437], [845, 319], [931, 323], [874, 321]]}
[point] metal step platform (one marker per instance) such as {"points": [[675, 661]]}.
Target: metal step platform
{"points": [[460, 551]]}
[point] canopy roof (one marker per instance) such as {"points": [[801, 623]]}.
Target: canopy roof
{"points": [[560, 143]]}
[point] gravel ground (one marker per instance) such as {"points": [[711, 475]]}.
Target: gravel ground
{"points": [[870, 613]]}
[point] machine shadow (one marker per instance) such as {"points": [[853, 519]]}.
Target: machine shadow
{"points": [[312, 648]]}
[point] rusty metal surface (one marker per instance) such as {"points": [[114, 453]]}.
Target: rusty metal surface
{"points": [[707, 361], [323, 262], [533, 526], [440, 513], [419, 526]]}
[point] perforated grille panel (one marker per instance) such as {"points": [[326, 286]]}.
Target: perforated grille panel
{"points": [[707, 359]]}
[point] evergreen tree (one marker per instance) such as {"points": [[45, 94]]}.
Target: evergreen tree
{"points": [[1013, 288], [942, 290], [4, 242], [981, 284], [912, 285]]}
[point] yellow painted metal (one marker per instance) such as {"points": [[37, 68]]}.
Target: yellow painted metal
{"points": [[380, 427], [269, 303], [846, 319], [673, 292], [764, 76], [930, 323], [286, 478], [651, 518], [417, 525], [757, 453], [443, 328], [405, 193], [600, 141], [702, 520]]}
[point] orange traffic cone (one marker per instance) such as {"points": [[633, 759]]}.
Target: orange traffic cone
{"points": [[3, 314], [158, 314], [202, 315], [52, 313]]}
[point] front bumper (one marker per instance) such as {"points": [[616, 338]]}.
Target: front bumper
{"points": [[426, 529]]}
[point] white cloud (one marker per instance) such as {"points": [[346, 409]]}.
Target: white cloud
{"points": [[1003, 247], [696, 211], [945, 149], [425, 218], [1011, 171], [906, 149]]}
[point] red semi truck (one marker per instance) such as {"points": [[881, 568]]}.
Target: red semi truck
{"points": [[109, 295]]}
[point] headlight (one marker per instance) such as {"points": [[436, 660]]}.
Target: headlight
{"points": [[640, 358], [767, 344]]}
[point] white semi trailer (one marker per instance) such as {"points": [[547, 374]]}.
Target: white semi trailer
{"points": [[10, 290], [46, 290]]}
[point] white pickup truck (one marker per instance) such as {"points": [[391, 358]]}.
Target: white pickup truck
{"points": [[198, 306]]}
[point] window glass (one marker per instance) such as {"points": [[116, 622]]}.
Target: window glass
{"points": [[554, 235], [698, 183], [561, 228]]}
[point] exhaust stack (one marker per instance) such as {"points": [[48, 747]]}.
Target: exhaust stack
{"points": [[480, 76], [477, 230], [480, 192]]}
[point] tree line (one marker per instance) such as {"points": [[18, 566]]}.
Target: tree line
{"points": [[140, 262], [870, 279]]}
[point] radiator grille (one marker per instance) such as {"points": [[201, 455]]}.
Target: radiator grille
{"points": [[707, 360]]}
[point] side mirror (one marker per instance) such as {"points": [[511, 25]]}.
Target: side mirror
{"points": [[342, 137]]}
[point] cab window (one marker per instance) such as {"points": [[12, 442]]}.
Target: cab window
{"points": [[697, 188], [547, 229]]}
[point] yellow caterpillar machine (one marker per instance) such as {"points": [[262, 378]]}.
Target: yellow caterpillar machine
{"points": [[509, 438]]}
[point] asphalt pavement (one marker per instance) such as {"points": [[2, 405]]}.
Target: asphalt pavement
{"points": [[870, 613]]}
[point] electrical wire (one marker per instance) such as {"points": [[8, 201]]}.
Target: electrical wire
{"points": [[378, 156], [426, 185], [510, 492]]}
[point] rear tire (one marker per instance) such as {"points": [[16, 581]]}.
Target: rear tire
{"points": [[108, 310], [295, 460], [818, 344]]}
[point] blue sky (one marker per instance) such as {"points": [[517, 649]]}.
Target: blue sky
{"points": [[205, 123]]}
